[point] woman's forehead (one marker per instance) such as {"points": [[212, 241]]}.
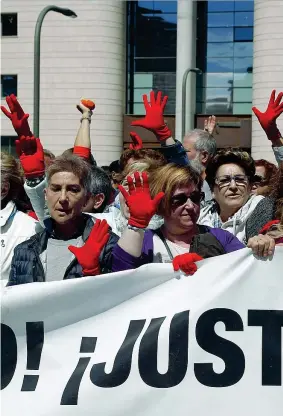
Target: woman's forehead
{"points": [[184, 189], [230, 169]]}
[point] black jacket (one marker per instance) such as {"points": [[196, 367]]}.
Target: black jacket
{"points": [[27, 265]]}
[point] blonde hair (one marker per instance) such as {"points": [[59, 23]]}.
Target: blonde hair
{"points": [[168, 178], [11, 172], [138, 166]]}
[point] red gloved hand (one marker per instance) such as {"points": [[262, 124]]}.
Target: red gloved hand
{"points": [[30, 152], [186, 263], [88, 254], [139, 201], [17, 116], [154, 120], [268, 118], [137, 141]]}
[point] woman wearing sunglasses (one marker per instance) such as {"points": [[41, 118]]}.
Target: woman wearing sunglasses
{"points": [[231, 175], [176, 192]]}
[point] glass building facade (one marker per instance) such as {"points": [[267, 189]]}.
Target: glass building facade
{"points": [[224, 46]]}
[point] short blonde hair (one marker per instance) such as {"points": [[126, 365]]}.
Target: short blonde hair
{"points": [[138, 166], [170, 177], [12, 173]]}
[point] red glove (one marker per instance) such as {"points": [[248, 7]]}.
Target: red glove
{"points": [[266, 227], [82, 151], [30, 152], [137, 141], [186, 263], [154, 120], [268, 118], [88, 254], [139, 201], [17, 116]]}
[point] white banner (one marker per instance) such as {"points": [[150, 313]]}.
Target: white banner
{"points": [[144, 342]]}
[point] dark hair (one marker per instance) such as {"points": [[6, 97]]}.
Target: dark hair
{"points": [[74, 164], [270, 168], [91, 159], [230, 155], [115, 166], [100, 184], [142, 154], [48, 153]]}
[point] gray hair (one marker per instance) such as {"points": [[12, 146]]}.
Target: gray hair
{"points": [[74, 164], [205, 142], [100, 184]]}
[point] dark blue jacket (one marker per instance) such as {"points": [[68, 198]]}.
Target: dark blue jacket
{"points": [[27, 265]]}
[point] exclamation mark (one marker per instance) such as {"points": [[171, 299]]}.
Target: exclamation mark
{"points": [[35, 340]]}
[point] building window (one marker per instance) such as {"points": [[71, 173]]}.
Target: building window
{"points": [[152, 38], [9, 85], [225, 55], [9, 24], [8, 144]]}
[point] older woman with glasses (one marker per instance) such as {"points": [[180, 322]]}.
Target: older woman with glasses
{"points": [[177, 195], [231, 175]]}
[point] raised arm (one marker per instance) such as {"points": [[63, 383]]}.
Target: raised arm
{"points": [[267, 121], [18, 117], [82, 144]]}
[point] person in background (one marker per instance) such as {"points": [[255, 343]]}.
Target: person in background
{"points": [[100, 191], [130, 156], [48, 157], [71, 245], [117, 217], [176, 196], [198, 146], [16, 225], [230, 175], [265, 172]]}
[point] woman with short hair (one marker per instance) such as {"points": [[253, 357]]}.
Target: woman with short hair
{"points": [[230, 175]]}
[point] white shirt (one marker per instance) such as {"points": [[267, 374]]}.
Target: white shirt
{"points": [[160, 253], [16, 227]]}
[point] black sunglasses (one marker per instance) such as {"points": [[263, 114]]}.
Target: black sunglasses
{"points": [[181, 199]]}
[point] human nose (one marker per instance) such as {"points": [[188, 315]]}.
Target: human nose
{"points": [[233, 184], [189, 204], [63, 196]]}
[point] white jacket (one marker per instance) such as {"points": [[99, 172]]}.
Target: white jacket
{"points": [[236, 224], [16, 227]]}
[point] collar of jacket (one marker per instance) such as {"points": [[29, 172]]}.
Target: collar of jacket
{"points": [[39, 241]]}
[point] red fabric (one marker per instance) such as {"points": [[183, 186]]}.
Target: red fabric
{"points": [[186, 263], [82, 151], [30, 152], [137, 141], [88, 254], [17, 116], [154, 120], [266, 227], [268, 118], [139, 201], [33, 215]]}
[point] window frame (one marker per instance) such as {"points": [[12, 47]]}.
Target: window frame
{"points": [[17, 83], [9, 36]]}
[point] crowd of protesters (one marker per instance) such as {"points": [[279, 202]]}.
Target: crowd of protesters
{"points": [[64, 217]]}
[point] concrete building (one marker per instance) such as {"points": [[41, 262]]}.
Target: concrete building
{"points": [[115, 51]]}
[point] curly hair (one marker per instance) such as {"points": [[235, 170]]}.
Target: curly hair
{"points": [[146, 155], [230, 155], [277, 193]]}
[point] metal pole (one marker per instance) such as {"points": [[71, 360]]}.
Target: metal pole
{"points": [[36, 68], [184, 97]]}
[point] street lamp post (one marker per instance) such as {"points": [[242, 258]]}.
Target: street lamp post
{"points": [[184, 97], [36, 70]]}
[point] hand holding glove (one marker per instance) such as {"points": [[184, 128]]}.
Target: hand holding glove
{"points": [[186, 263], [268, 118], [154, 120], [141, 206], [88, 254], [17, 116], [30, 152], [137, 141]]}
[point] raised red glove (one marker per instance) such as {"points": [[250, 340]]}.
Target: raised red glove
{"points": [[186, 263], [137, 141], [17, 116], [139, 201], [154, 120], [268, 118], [88, 254], [30, 152]]}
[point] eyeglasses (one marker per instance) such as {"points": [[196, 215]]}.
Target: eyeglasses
{"points": [[181, 199], [225, 180]]}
